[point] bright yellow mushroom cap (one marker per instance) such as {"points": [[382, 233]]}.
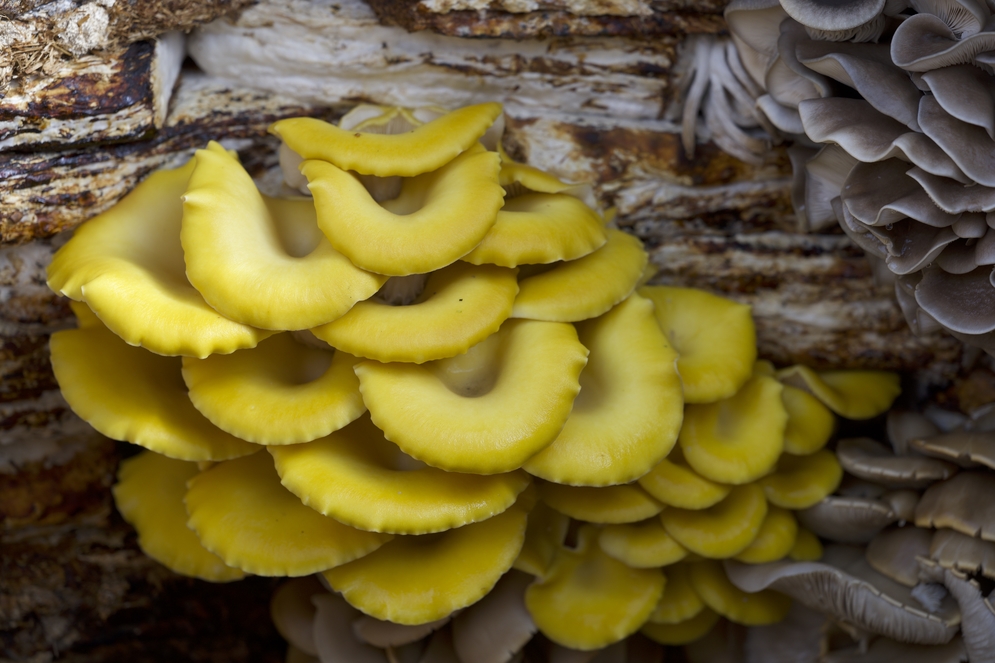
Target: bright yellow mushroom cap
{"points": [[810, 423], [485, 411], [527, 177], [280, 392], [424, 149], [236, 258], [641, 545], [437, 218], [629, 410], [802, 481], [357, 477], [241, 513], [127, 264], [723, 530], [850, 394], [627, 503], [540, 228], [589, 600], [679, 602], [759, 609], [673, 482], [128, 393], [807, 547], [738, 439], [775, 540], [544, 535], [419, 579], [149, 494], [460, 306], [684, 632], [584, 288], [715, 340]]}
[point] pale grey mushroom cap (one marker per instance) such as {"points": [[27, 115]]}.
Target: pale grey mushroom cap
{"points": [[293, 613], [333, 635], [960, 552], [893, 552], [977, 612], [496, 628], [873, 461], [903, 426], [833, 15], [383, 634], [847, 519], [963, 503], [903, 503], [967, 448]]}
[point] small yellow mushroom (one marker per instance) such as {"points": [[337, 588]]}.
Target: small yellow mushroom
{"points": [[810, 423], [627, 503], [683, 632], [807, 547], [673, 482], [545, 534], [758, 609], [723, 530], [850, 394], [776, 538], [802, 481], [679, 602], [641, 545]]}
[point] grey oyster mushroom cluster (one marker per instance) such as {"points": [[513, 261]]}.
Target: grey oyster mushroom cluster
{"points": [[912, 553], [891, 105]]}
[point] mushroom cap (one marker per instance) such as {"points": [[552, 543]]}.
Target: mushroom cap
{"points": [[966, 448], [127, 265], [241, 513], [333, 634], [850, 394], [293, 612], [424, 149], [683, 632], [864, 458], [546, 531], [128, 393], [709, 580], [486, 411], [357, 477], [149, 494], [628, 414], [723, 530], [810, 423], [460, 306], [539, 228], [586, 587], [495, 628], [847, 519], [383, 634], [892, 552], [641, 545], [961, 503], [528, 177], [775, 540], [953, 550], [802, 481], [807, 547], [679, 602], [673, 482], [237, 261], [833, 14], [738, 439], [905, 426], [977, 612], [437, 218], [280, 392], [584, 288], [626, 503], [715, 340], [419, 579]]}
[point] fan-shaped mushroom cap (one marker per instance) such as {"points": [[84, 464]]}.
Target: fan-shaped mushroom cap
{"points": [[738, 439], [850, 394], [755, 608], [953, 550], [584, 288], [673, 482], [241, 513], [539, 228], [893, 553], [966, 448], [966, 92], [629, 410], [485, 411], [236, 260], [333, 635], [723, 530], [807, 547], [968, 145], [586, 586], [383, 634], [495, 628], [419, 579], [847, 519], [953, 197], [903, 503], [683, 632], [905, 426], [357, 477], [960, 302], [280, 392], [924, 42], [437, 218], [460, 306], [810, 423], [679, 602], [641, 545], [715, 340], [132, 275], [775, 540], [756, 23], [832, 15], [626, 503], [127, 393], [293, 612], [867, 459], [962, 504], [544, 535], [149, 494]]}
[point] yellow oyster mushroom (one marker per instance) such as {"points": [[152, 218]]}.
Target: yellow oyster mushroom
{"points": [[544, 535], [589, 600], [684, 632], [486, 411], [419, 579], [236, 258], [280, 392], [673, 482], [810, 423], [426, 148], [149, 494], [641, 545], [757, 609], [723, 530], [522, 176], [437, 218], [850, 394], [738, 439], [584, 288], [357, 477], [241, 513], [807, 547], [128, 393], [627, 503], [628, 414], [802, 481], [127, 265], [679, 602], [715, 340], [460, 306], [776, 538]]}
